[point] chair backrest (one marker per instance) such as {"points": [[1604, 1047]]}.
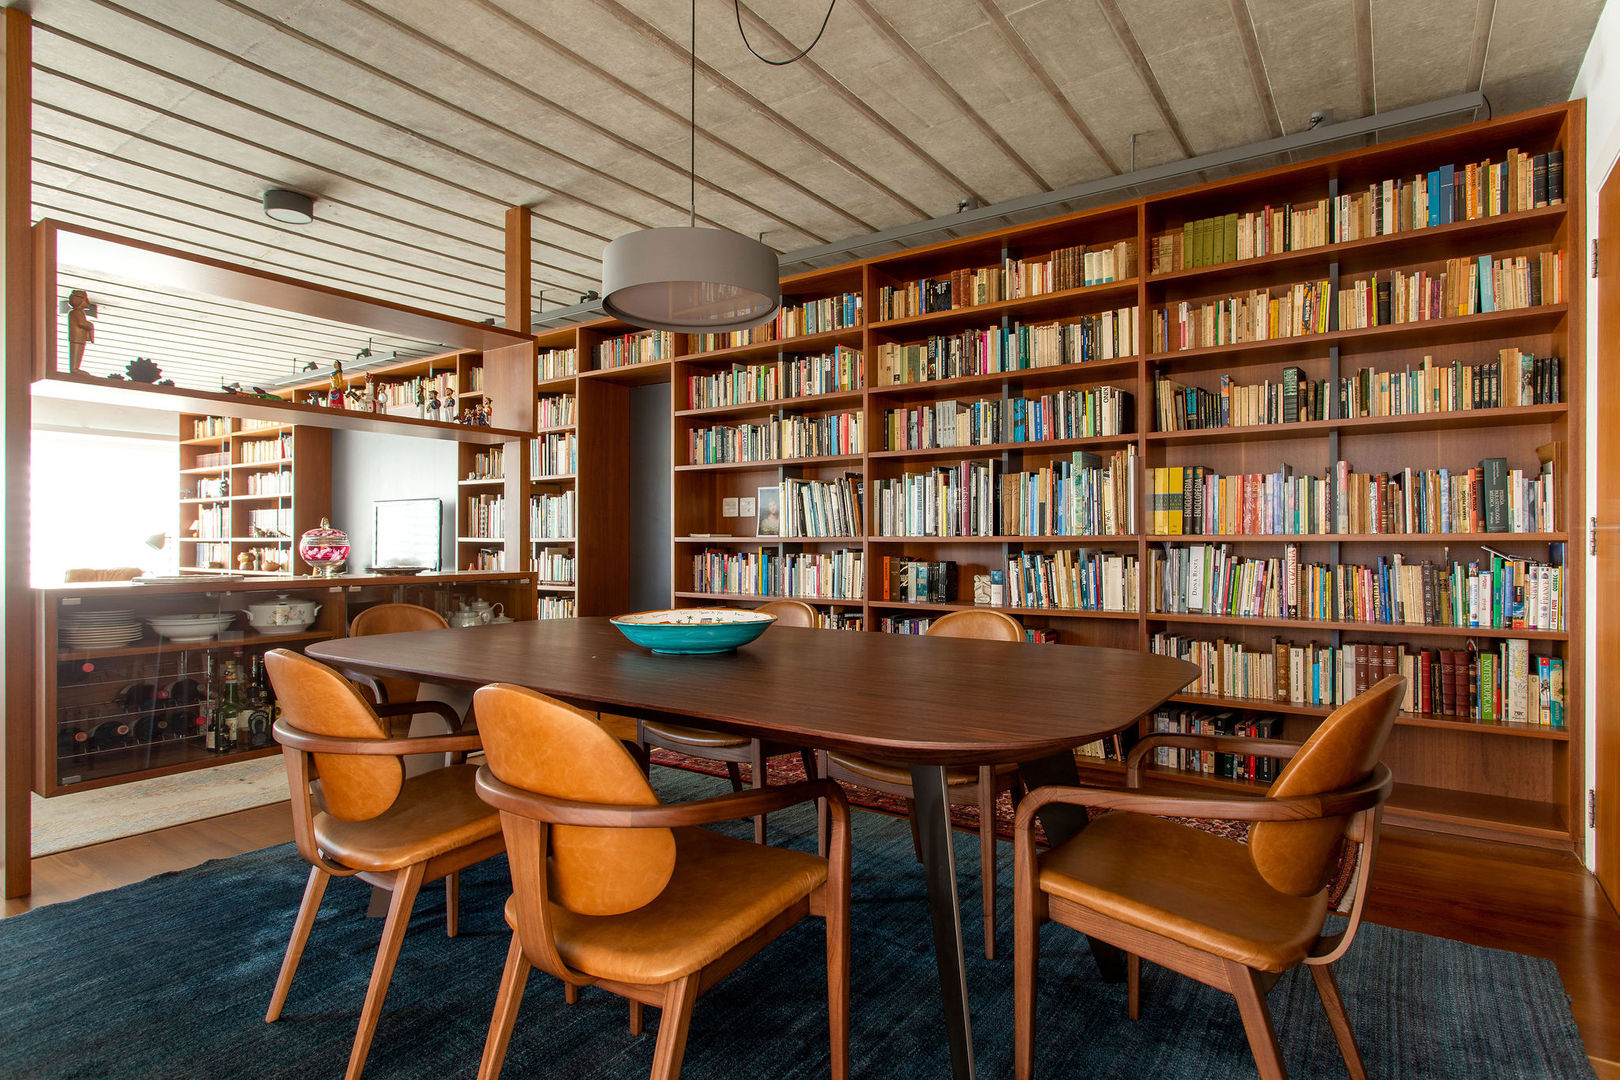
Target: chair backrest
{"points": [[790, 612], [316, 699], [1295, 857], [987, 625], [397, 619], [113, 573], [541, 745]]}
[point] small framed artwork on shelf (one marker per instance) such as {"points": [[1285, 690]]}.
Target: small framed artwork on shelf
{"points": [[770, 512]]}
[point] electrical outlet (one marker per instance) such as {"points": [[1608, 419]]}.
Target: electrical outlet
{"points": [[728, 507], [745, 507]]}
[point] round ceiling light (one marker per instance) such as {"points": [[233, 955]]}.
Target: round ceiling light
{"points": [[690, 280], [289, 207]]}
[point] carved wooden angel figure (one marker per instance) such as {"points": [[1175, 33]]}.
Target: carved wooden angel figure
{"points": [[81, 331]]}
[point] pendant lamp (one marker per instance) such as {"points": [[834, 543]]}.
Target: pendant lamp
{"points": [[690, 280]]}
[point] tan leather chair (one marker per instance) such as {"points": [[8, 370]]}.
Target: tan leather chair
{"points": [[114, 573], [1233, 916], [395, 619], [613, 889], [373, 822], [724, 746], [964, 786]]}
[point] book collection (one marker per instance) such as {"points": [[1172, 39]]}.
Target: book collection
{"points": [[953, 500], [815, 316], [488, 558], [1193, 500], [279, 482], [475, 381], [1291, 398], [210, 427], [485, 517], [1441, 196], [1087, 495], [487, 465], [1499, 594], [1001, 349], [1097, 411], [1511, 380], [835, 575], [554, 455], [905, 579], [1504, 683], [641, 347], [213, 487], [795, 376], [821, 508], [1072, 580], [1063, 269], [842, 370], [266, 451], [218, 459], [213, 556], [213, 523], [551, 517], [411, 397], [1296, 310], [553, 567], [272, 522], [1221, 764], [556, 364], [555, 607], [1464, 287], [554, 410], [919, 624], [777, 440]]}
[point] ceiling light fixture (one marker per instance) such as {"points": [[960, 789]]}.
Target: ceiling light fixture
{"points": [[288, 207], [690, 280]]}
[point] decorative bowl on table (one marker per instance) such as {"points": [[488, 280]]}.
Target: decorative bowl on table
{"points": [[693, 631], [283, 615], [203, 627], [325, 549]]}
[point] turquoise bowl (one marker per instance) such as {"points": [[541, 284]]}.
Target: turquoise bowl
{"points": [[693, 631]]}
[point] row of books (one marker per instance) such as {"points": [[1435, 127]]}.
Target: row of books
{"points": [[1441, 196], [1066, 268], [555, 607], [1293, 397], [1516, 594], [640, 347], [1062, 414], [279, 482], [919, 624], [491, 558], [776, 440], [1296, 310], [908, 580], [555, 410], [792, 320], [266, 451], [1222, 764], [556, 454], [1087, 495], [1491, 498], [999, 349], [487, 465], [834, 575], [956, 500], [216, 487], [551, 517], [793, 376], [1073, 580], [213, 523], [210, 427], [553, 567], [1465, 287], [274, 521], [1513, 379], [485, 517], [556, 364], [475, 380], [821, 508]]}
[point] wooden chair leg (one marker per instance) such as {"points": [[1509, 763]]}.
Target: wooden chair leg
{"points": [[1328, 987], [313, 891], [1026, 967], [837, 916], [1133, 986], [452, 903], [406, 885], [987, 856], [809, 760], [570, 994], [1248, 988], [916, 837], [756, 779], [734, 774], [679, 997], [637, 1017], [513, 978], [823, 824]]}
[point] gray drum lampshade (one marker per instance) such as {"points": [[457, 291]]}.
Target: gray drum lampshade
{"points": [[690, 280]]}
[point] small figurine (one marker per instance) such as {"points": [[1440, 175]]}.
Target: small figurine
{"points": [[245, 561], [370, 401], [143, 370], [334, 397], [269, 565], [433, 405], [421, 401], [81, 331]]}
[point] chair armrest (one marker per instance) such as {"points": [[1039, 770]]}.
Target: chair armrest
{"points": [[411, 708], [1276, 748], [399, 746], [738, 804], [379, 693], [1340, 803]]}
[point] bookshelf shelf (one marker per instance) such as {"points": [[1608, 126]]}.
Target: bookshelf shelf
{"points": [[1065, 302], [802, 343], [561, 384], [841, 399], [1098, 540], [1361, 627], [1067, 613], [774, 463], [759, 598], [992, 449], [1090, 371], [1471, 813], [1441, 723], [483, 481], [1359, 538], [1434, 421]]}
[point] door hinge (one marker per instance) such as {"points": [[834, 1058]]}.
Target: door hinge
{"points": [[1594, 257], [1591, 808]]}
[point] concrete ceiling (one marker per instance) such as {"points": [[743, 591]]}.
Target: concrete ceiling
{"points": [[415, 123]]}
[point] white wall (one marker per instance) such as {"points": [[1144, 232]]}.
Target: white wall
{"points": [[1599, 83], [367, 465]]}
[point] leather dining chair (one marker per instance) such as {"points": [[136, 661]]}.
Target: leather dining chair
{"points": [[734, 750], [611, 888], [964, 786], [395, 619], [371, 821], [1231, 915]]}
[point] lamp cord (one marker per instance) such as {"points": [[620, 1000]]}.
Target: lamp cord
{"points": [[801, 54]]}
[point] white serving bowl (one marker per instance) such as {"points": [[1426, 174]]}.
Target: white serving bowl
{"points": [[190, 627]]}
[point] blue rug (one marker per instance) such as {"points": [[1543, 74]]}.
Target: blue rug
{"points": [[170, 978]]}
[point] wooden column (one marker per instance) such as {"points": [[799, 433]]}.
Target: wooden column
{"points": [[519, 285], [16, 599]]}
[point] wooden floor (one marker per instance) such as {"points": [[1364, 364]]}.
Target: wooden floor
{"points": [[1521, 899]]}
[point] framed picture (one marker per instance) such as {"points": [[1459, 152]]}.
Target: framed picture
{"points": [[770, 512]]}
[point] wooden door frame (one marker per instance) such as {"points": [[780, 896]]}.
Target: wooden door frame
{"points": [[1605, 772]]}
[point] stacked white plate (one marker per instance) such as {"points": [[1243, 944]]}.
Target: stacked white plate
{"points": [[98, 629], [201, 627]]}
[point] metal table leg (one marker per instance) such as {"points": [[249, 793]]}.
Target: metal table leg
{"points": [[939, 869]]}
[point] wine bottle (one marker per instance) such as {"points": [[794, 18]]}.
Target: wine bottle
{"points": [[232, 711], [109, 735], [70, 742]]}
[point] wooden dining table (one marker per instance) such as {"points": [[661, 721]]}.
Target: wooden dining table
{"points": [[923, 702]]}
